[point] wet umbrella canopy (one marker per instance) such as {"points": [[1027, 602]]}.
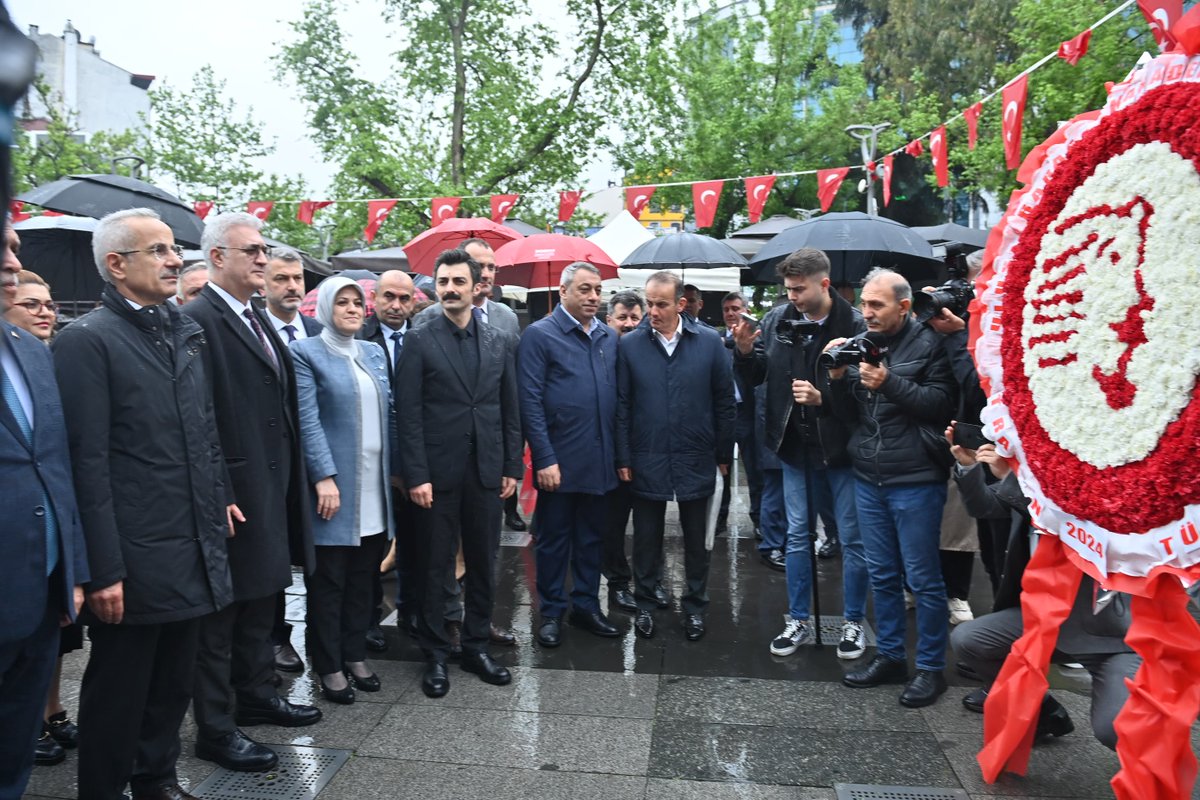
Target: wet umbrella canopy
{"points": [[683, 251], [973, 238]]}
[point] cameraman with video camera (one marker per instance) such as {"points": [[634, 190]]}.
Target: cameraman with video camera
{"points": [[809, 440], [897, 399]]}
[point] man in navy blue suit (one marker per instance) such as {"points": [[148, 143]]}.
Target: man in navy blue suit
{"points": [[42, 558]]}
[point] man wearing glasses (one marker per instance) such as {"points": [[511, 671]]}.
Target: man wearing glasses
{"points": [[254, 395]]}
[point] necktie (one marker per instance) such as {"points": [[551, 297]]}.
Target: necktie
{"points": [[9, 392], [477, 312], [262, 338], [470, 354], [291, 332], [397, 343]]}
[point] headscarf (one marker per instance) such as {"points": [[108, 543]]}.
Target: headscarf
{"points": [[327, 292]]}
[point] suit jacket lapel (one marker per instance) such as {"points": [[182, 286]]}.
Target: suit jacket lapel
{"points": [[6, 416], [240, 329], [449, 345]]}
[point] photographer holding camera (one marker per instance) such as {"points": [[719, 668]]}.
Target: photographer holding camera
{"points": [[897, 402], [809, 440]]}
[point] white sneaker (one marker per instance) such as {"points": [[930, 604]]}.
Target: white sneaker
{"points": [[854, 641], [795, 633], [960, 611]]}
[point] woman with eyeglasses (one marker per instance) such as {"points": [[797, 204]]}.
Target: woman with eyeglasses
{"points": [[33, 310]]}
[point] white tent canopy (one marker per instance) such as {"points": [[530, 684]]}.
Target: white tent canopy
{"points": [[621, 237]]}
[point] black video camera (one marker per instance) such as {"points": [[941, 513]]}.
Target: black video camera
{"points": [[955, 294], [790, 331], [870, 347]]}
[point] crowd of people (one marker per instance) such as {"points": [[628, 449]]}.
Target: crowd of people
{"points": [[173, 454]]}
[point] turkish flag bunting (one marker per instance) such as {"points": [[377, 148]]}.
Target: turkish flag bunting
{"points": [[938, 150], [887, 179], [1162, 14], [828, 183], [1014, 114], [203, 208], [501, 205], [636, 198], [17, 209], [915, 148], [377, 211], [442, 209], [262, 209], [566, 205], [757, 190], [971, 115], [1072, 50], [53, 214], [308, 207], [705, 196]]}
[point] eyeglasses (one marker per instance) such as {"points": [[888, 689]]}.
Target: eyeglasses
{"points": [[253, 251], [35, 306], [159, 251]]}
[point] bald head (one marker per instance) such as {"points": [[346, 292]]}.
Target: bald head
{"points": [[394, 293]]}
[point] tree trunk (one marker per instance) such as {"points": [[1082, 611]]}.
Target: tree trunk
{"points": [[459, 109]]}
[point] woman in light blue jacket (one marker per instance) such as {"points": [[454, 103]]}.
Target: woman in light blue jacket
{"points": [[346, 421]]}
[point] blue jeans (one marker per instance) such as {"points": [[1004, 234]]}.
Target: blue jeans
{"points": [[901, 527], [772, 515], [833, 492]]}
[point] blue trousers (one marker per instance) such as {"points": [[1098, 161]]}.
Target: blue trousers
{"points": [[570, 531], [901, 528], [772, 515]]}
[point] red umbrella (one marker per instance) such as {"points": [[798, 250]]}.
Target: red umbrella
{"points": [[537, 261], [423, 250]]}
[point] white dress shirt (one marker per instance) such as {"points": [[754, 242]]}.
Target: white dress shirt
{"points": [[297, 325], [670, 344]]}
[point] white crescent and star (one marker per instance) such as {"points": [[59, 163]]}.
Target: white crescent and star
{"points": [[1011, 107], [503, 206], [705, 195], [758, 190], [445, 211], [831, 178]]}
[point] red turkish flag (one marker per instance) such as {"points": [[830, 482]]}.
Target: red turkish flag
{"points": [[1072, 50], [260, 209], [1162, 14], [501, 205], [828, 183], [757, 190], [887, 179], [442, 209], [940, 154], [53, 214], [17, 209], [1014, 114], [705, 196], [915, 148], [636, 198], [203, 208], [971, 115], [567, 201], [377, 211], [308, 207]]}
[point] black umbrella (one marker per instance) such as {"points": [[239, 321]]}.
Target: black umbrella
{"points": [[973, 238], [772, 225], [59, 249], [683, 251], [97, 195], [376, 261], [855, 243], [522, 227]]}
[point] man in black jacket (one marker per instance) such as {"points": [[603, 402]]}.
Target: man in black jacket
{"points": [[809, 440], [897, 410], [150, 481]]}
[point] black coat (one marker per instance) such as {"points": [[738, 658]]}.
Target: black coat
{"points": [[149, 474], [257, 417]]}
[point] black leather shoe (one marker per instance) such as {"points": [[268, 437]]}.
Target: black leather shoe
{"points": [[344, 696], [501, 637], [693, 627], [436, 681], [276, 711], [643, 625], [63, 730], [975, 699], [487, 669], [514, 522], [661, 598], [47, 752], [171, 791], [370, 683], [238, 752], [454, 631], [593, 622], [550, 632], [376, 642], [622, 598], [1053, 719], [287, 659], [881, 670], [831, 549], [926, 686], [775, 559]]}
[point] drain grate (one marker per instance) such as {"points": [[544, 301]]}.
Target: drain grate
{"points": [[301, 775], [508, 539], [862, 791], [831, 630]]}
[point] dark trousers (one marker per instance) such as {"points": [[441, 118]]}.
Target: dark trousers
{"points": [[648, 523], [281, 629], [957, 566], [234, 662], [471, 511], [135, 692], [339, 603], [570, 532], [615, 564], [408, 561], [748, 453], [26, 666]]}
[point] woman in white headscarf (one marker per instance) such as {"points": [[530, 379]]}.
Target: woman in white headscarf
{"points": [[345, 423]]}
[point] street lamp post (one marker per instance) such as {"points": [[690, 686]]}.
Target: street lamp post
{"points": [[868, 138]]}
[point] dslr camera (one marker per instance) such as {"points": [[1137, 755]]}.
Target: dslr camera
{"points": [[791, 331], [955, 294], [870, 347]]}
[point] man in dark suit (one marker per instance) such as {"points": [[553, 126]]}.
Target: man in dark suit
{"points": [[254, 394], [460, 453], [43, 561]]}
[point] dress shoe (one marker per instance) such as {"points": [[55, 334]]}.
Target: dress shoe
{"points": [[593, 622], [514, 522], [881, 670], [63, 730], [926, 686], [376, 642], [47, 752], [693, 627], [344, 696], [238, 752], [1053, 719], [170, 791], [487, 669], [622, 598], [550, 632], [436, 681], [276, 711], [661, 598], [501, 637], [287, 659], [774, 559], [975, 699], [454, 633], [370, 683], [831, 549], [643, 624]]}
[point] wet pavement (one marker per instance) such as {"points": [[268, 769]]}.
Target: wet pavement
{"points": [[663, 718]]}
